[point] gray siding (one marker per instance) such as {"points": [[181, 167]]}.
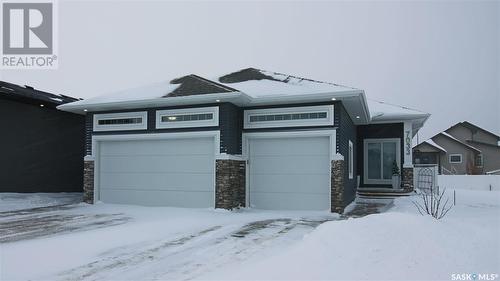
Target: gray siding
{"points": [[42, 149], [346, 131], [453, 147], [230, 124]]}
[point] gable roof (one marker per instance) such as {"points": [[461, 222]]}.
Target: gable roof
{"points": [[457, 140], [28, 94], [471, 126]]}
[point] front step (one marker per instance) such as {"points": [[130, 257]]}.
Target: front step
{"points": [[382, 193]]}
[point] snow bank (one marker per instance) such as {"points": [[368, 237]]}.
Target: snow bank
{"points": [[398, 245], [475, 182]]}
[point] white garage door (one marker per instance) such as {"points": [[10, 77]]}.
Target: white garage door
{"points": [[290, 173], [170, 172]]}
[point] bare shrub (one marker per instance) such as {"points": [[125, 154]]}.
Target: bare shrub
{"points": [[432, 204]]}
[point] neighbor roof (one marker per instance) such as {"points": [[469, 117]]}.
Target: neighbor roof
{"points": [[31, 95], [456, 140], [469, 125], [432, 143]]}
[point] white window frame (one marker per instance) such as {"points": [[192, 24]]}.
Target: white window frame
{"points": [[457, 162], [351, 160], [120, 127], [289, 123], [214, 110], [366, 180]]}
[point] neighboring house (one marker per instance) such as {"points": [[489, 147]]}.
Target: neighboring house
{"points": [[42, 147], [462, 149], [249, 138]]}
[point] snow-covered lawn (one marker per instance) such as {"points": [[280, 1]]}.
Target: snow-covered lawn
{"points": [[171, 243]]}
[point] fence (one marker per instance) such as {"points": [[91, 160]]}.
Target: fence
{"points": [[474, 182]]}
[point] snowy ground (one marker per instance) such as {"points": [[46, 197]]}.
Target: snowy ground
{"points": [[19, 201], [116, 242]]}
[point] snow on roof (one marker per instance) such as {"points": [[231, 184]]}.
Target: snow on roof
{"points": [[261, 83], [152, 91], [432, 143], [254, 86], [381, 111], [457, 140]]}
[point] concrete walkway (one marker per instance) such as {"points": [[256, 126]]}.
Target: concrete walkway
{"points": [[364, 207]]}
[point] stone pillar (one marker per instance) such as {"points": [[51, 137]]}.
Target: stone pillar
{"points": [[88, 180], [337, 186], [407, 179], [230, 183]]}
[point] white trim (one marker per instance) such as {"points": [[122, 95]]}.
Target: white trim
{"points": [[365, 159], [289, 123], [161, 136], [351, 160], [455, 154], [408, 145], [331, 133], [120, 127], [188, 111]]}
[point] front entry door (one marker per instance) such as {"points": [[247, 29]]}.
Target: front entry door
{"points": [[379, 156]]}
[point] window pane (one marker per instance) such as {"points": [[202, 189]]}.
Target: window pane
{"points": [[389, 158], [374, 157], [192, 117], [121, 121]]}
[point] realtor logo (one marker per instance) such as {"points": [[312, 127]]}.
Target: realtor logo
{"points": [[28, 35]]}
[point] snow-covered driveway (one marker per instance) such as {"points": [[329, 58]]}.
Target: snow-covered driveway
{"points": [[104, 241]]}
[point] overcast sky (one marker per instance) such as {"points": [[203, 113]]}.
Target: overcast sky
{"points": [[438, 57]]}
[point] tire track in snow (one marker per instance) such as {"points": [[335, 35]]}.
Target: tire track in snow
{"points": [[191, 256]]}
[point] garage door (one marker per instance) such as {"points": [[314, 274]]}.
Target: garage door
{"points": [[177, 173], [289, 173]]}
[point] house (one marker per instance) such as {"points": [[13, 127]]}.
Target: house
{"points": [[249, 138], [462, 149], [42, 146]]}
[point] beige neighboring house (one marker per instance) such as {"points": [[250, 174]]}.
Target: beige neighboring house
{"points": [[463, 149]]}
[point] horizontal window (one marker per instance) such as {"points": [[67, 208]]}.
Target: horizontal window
{"points": [[122, 121], [289, 116], [455, 158], [190, 117], [321, 115], [187, 117]]}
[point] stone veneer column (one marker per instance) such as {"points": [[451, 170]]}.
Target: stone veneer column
{"points": [[407, 179], [229, 183], [88, 180], [337, 186]]}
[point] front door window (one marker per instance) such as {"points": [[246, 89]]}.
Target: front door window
{"points": [[380, 155]]}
